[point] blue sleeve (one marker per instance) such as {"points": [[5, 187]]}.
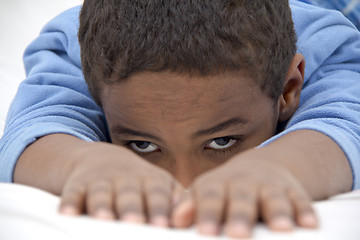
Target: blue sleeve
{"points": [[54, 97], [350, 8], [330, 100]]}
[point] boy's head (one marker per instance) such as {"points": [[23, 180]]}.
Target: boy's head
{"points": [[188, 84]]}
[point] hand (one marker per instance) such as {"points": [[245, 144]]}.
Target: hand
{"points": [[109, 182], [240, 191]]}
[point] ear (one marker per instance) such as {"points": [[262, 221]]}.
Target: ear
{"points": [[290, 97]]}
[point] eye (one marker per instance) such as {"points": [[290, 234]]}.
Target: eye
{"points": [[143, 146], [221, 143]]}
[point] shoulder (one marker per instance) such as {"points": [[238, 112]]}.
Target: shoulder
{"points": [[307, 16], [66, 23], [321, 33], [68, 19], [58, 36]]}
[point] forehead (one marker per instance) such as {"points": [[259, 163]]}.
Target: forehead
{"points": [[179, 97]]}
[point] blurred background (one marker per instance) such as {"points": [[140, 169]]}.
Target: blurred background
{"points": [[20, 23]]}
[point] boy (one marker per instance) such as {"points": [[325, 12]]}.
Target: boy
{"points": [[193, 88]]}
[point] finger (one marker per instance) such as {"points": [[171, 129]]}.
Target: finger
{"points": [[304, 212], [72, 199], [210, 199], [276, 209], [158, 200], [178, 192], [129, 201], [183, 213], [99, 200], [241, 211]]}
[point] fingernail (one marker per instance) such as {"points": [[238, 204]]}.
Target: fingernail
{"points": [[308, 220], [104, 214], [238, 229], [132, 218], [160, 221], [69, 210], [208, 228], [183, 214], [281, 224]]}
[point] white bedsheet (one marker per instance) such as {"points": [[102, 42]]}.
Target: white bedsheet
{"points": [[29, 213]]}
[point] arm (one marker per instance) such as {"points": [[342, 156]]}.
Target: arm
{"points": [[314, 159], [53, 98], [317, 154], [329, 101]]}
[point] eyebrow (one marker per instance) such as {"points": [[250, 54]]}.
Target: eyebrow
{"points": [[127, 131], [221, 126], [217, 128]]}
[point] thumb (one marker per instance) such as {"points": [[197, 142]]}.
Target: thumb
{"points": [[183, 213]]}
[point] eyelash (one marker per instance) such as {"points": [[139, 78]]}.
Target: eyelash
{"points": [[223, 151], [238, 139], [127, 144]]}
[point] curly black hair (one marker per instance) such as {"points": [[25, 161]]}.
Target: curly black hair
{"points": [[119, 38]]}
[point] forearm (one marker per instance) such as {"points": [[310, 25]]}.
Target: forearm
{"points": [[47, 162], [62, 104], [314, 159]]}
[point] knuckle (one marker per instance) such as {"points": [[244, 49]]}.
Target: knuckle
{"points": [[126, 205], [73, 190], [299, 196], [242, 196], [159, 192], [210, 194], [128, 188], [131, 207], [240, 216], [158, 209], [210, 191], [274, 195], [100, 187]]}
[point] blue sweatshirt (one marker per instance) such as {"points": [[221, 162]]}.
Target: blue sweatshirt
{"points": [[54, 97], [350, 8]]}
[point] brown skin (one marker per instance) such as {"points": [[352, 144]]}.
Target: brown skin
{"points": [[200, 132]]}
